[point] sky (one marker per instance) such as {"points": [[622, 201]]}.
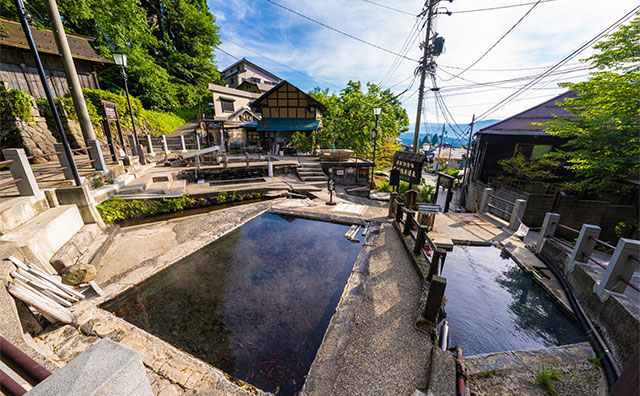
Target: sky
{"points": [[310, 55]]}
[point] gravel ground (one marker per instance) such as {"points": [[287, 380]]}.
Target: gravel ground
{"points": [[382, 353]]}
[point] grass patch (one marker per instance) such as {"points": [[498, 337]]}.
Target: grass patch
{"points": [[119, 209], [486, 373], [596, 360], [546, 378]]}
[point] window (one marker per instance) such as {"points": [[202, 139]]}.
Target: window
{"points": [[254, 79], [227, 105], [534, 151]]}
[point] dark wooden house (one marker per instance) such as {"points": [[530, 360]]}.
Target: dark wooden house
{"points": [[519, 133], [285, 110], [18, 71]]}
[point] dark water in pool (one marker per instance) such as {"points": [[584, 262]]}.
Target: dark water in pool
{"points": [[492, 305], [255, 303]]}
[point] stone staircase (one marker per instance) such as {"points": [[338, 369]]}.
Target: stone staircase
{"points": [[54, 238], [311, 173]]}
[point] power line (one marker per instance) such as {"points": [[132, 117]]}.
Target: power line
{"points": [[499, 8], [499, 40], [503, 70], [391, 8], [414, 33], [340, 31], [231, 55], [571, 55], [278, 63]]}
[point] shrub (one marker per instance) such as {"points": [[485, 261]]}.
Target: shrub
{"points": [[16, 103], [545, 379]]}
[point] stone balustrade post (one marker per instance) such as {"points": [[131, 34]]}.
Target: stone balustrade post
{"points": [[133, 145], [21, 169], [182, 144], [584, 246], [150, 146], [165, 147], [484, 201], [95, 153], [435, 297], [517, 214], [548, 228], [621, 266]]}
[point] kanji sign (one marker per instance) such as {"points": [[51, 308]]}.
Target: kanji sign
{"points": [[410, 166]]}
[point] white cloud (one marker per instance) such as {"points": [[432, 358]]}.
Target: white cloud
{"points": [[549, 32]]}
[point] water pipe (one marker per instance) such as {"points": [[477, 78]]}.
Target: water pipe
{"points": [[609, 364], [444, 336], [11, 354], [461, 373]]}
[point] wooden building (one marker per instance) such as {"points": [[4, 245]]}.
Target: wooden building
{"points": [[18, 70], [519, 133], [243, 70], [285, 109]]}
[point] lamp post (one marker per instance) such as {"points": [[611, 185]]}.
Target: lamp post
{"points": [[374, 136], [121, 60]]}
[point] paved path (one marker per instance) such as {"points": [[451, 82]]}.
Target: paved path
{"points": [[186, 128], [380, 353]]}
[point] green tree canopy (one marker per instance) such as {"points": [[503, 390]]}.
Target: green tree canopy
{"points": [[349, 120], [169, 44], [604, 139]]}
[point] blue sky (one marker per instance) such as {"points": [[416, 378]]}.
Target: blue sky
{"points": [[274, 38]]}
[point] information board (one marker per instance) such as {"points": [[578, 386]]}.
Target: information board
{"points": [[409, 165]]}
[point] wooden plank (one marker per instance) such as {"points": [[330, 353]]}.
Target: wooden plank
{"points": [[43, 305], [52, 280], [42, 284], [95, 287]]}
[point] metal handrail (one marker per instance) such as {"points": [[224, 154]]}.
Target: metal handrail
{"points": [[602, 243], [44, 155], [636, 258], [7, 162], [631, 285], [502, 200], [567, 228], [84, 162], [81, 149], [596, 261], [499, 210], [560, 241], [10, 182], [49, 171]]}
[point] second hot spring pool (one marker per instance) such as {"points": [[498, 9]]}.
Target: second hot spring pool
{"points": [[254, 303], [493, 306]]}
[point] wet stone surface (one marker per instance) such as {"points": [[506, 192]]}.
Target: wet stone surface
{"points": [[254, 303]]}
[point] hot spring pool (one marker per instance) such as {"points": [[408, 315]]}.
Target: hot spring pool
{"points": [[254, 303], [493, 306]]}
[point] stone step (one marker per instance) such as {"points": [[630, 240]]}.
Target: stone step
{"points": [[177, 187], [42, 236], [159, 187], [310, 173], [17, 211], [313, 178], [75, 247], [138, 187]]}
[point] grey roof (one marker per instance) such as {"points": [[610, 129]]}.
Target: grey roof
{"points": [[524, 123]]}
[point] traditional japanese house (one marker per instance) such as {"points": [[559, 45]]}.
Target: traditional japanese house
{"points": [[231, 110], [18, 70], [285, 110], [243, 70]]}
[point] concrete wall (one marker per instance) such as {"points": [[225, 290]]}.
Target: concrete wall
{"points": [[617, 318]]}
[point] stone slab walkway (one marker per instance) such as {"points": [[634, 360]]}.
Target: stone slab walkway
{"points": [[371, 346], [516, 372]]}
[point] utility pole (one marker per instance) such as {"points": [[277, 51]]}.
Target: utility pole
{"points": [[70, 71], [440, 146], [423, 71], [465, 178]]}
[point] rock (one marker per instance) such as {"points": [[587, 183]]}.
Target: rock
{"points": [[78, 273]]}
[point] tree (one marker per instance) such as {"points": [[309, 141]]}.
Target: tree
{"points": [[434, 139], [603, 145], [349, 120]]}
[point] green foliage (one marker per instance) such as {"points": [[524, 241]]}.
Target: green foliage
{"points": [[545, 379], [109, 181], [486, 373], [349, 120], [625, 229], [528, 169], [169, 44], [426, 191], [118, 209], [163, 123], [222, 197], [596, 360], [16, 103], [603, 145]]}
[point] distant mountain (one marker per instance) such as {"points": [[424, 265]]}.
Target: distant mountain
{"points": [[451, 137]]}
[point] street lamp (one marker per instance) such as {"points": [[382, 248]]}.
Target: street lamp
{"points": [[374, 136], [121, 60]]}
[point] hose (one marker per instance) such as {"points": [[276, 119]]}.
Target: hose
{"points": [[611, 369]]}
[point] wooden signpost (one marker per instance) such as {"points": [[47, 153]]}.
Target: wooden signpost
{"points": [[110, 113]]}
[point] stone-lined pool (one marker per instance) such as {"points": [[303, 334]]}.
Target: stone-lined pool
{"points": [[254, 303], [493, 306]]}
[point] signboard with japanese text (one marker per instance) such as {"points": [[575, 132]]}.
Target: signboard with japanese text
{"points": [[410, 166]]}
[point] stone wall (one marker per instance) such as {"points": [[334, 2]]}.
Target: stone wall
{"points": [[573, 212], [33, 136]]}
